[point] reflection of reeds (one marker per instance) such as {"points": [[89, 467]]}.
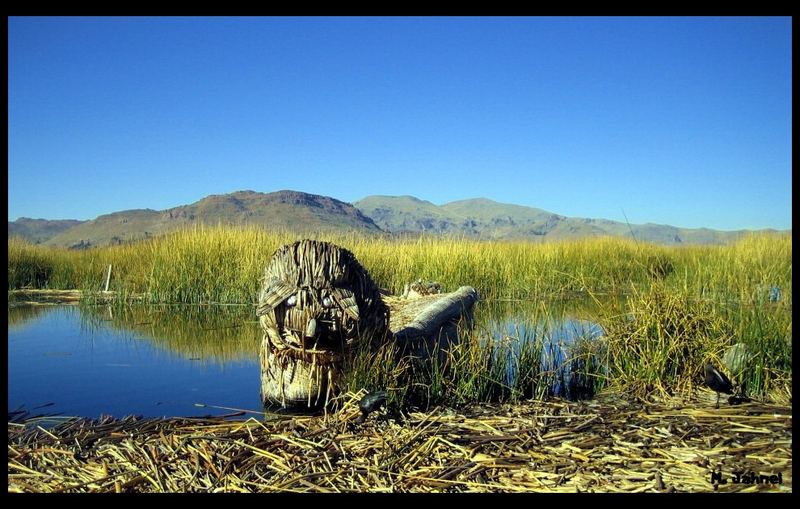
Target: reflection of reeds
{"points": [[220, 333], [20, 316], [607, 445]]}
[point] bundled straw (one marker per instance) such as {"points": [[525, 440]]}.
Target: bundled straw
{"points": [[316, 301]]}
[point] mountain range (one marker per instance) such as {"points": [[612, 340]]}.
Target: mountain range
{"points": [[478, 218], [39, 230]]}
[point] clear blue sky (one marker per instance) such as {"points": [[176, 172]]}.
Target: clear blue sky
{"points": [[681, 121]]}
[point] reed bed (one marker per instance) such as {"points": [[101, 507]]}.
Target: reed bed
{"points": [[223, 264], [609, 444], [665, 311], [653, 340]]}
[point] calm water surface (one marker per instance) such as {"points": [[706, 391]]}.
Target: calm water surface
{"points": [[558, 329], [170, 361], [87, 363]]}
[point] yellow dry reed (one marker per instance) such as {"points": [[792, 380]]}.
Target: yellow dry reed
{"points": [[605, 445]]}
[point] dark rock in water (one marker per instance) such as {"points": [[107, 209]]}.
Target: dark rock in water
{"points": [[371, 402]]}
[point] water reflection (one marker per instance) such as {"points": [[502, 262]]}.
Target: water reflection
{"points": [[200, 333], [165, 360], [20, 316], [561, 337], [145, 361]]}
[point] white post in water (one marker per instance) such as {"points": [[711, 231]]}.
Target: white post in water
{"points": [[108, 277]]}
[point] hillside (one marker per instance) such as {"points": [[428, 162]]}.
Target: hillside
{"points": [[399, 214], [302, 212], [281, 210], [39, 230], [487, 219]]}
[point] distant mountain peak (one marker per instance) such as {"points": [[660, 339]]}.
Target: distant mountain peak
{"points": [[39, 230], [479, 200]]}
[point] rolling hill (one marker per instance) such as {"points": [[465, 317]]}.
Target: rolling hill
{"points": [[478, 218], [39, 230], [487, 219], [281, 210]]}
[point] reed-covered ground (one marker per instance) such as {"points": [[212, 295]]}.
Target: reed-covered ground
{"points": [[673, 308], [604, 445]]}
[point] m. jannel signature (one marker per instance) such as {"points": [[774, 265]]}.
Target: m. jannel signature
{"points": [[747, 478]]}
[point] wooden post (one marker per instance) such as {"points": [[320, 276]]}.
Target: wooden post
{"points": [[108, 277]]}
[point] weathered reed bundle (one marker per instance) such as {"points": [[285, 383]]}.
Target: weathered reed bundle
{"points": [[422, 316], [316, 301], [429, 322], [604, 445]]}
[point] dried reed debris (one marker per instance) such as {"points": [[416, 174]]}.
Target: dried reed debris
{"points": [[604, 445]]}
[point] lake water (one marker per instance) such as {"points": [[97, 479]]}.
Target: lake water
{"points": [[191, 360], [87, 362], [557, 331]]}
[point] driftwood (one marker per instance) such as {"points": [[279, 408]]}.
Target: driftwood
{"points": [[30, 296]]}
